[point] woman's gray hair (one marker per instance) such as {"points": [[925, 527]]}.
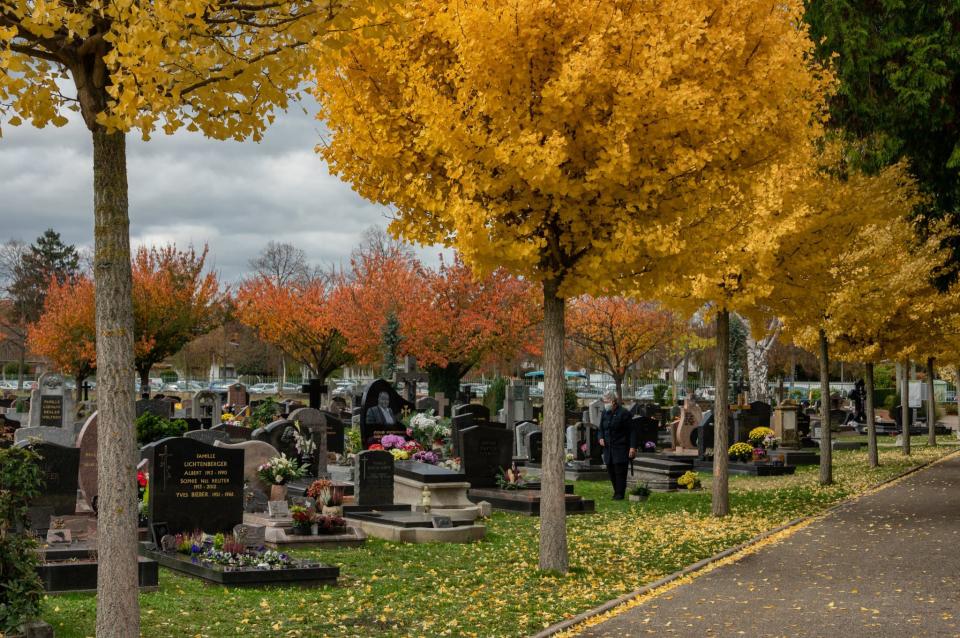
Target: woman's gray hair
{"points": [[609, 395]]}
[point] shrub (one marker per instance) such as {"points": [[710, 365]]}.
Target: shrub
{"points": [[495, 395], [264, 414], [20, 588], [891, 401], [152, 427], [660, 393], [570, 402]]}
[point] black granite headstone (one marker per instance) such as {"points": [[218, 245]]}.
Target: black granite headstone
{"points": [[60, 469], [481, 413], [458, 423], [160, 407], [236, 432], [336, 437], [535, 446], [484, 452], [646, 429], [195, 486], [373, 482], [373, 425]]}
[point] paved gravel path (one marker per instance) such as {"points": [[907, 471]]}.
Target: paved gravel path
{"points": [[887, 565]]}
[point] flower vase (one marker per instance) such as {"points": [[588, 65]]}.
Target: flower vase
{"points": [[278, 492], [332, 510]]}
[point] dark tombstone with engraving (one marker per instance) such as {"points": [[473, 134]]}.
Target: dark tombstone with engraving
{"points": [[59, 469], [195, 486], [481, 413], [381, 412], [373, 483], [458, 423], [336, 433], [484, 453], [646, 428]]}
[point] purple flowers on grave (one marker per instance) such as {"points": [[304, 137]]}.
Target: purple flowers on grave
{"points": [[426, 456], [650, 445], [392, 441]]}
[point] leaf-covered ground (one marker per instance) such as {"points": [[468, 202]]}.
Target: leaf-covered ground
{"points": [[492, 587]]}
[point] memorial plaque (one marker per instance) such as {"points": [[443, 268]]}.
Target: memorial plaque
{"points": [[250, 535], [484, 452], [195, 486], [535, 446], [51, 411], [374, 478], [59, 466], [278, 509]]}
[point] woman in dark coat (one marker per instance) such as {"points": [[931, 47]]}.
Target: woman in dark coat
{"points": [[619, 442]]}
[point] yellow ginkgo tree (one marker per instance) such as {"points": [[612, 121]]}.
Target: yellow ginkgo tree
{"points": [[219, 67], [577, 144]]}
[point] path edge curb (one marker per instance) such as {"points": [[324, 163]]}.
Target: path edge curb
{"points": [[701, 564]]}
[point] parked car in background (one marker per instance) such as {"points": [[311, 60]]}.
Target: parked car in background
{"points": [[645, 393], [346, 388], [479, 389], [259, 388]]}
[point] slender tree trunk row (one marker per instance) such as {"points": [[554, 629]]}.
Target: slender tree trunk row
{"points": [[931, 405], [553, 515], [826, 433], [720, 505], [905, 408], [872, 453]]}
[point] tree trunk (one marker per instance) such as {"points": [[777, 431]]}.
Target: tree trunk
{"points": [[872, 454], [144, 381], [905, 408], [721, 412], [826, 433], [118, 614], [553, 516], [23, 364], [931, 406], [618, 382], [758, 360]]}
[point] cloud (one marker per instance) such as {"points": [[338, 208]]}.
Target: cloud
{"points": [[186, 189]]}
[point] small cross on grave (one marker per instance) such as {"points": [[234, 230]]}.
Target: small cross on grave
{"points": [[442, 404]]}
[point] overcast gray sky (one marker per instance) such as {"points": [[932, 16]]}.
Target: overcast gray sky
{"points": [[186, 188]]}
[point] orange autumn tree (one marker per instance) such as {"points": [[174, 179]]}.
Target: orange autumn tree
{"points": [[66, 332], [461, 319], [615, 333], [298, 318], [384, 277], [173, 302]]}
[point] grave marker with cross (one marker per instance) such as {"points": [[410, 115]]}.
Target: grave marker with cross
{"points": [[442, 404]]}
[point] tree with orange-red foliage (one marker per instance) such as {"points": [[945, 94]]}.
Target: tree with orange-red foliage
{"points": [[66, 332], [383, 280], [460, 320], [173, 302], [613, 334], [298, 318]]}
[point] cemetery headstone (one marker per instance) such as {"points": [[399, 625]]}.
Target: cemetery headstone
{"points": [[484, 452], [534, 444], [373, 478], [646, 428], [255, 454], [250, 535], [425, 404], [381, 412], [592, 439], [59, 466], [87, 442], [60, 436], [458, 423], [208, 408], [208, 436], [51, 403], [237, 395], [281, 435], [596, 411], [313, 424], [521, 432], [336, 433], [236, 433], [161, 407], [195, 486], [481, 413]]}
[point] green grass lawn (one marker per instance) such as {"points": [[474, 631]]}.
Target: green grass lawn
{"points": [[492, 587]]}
